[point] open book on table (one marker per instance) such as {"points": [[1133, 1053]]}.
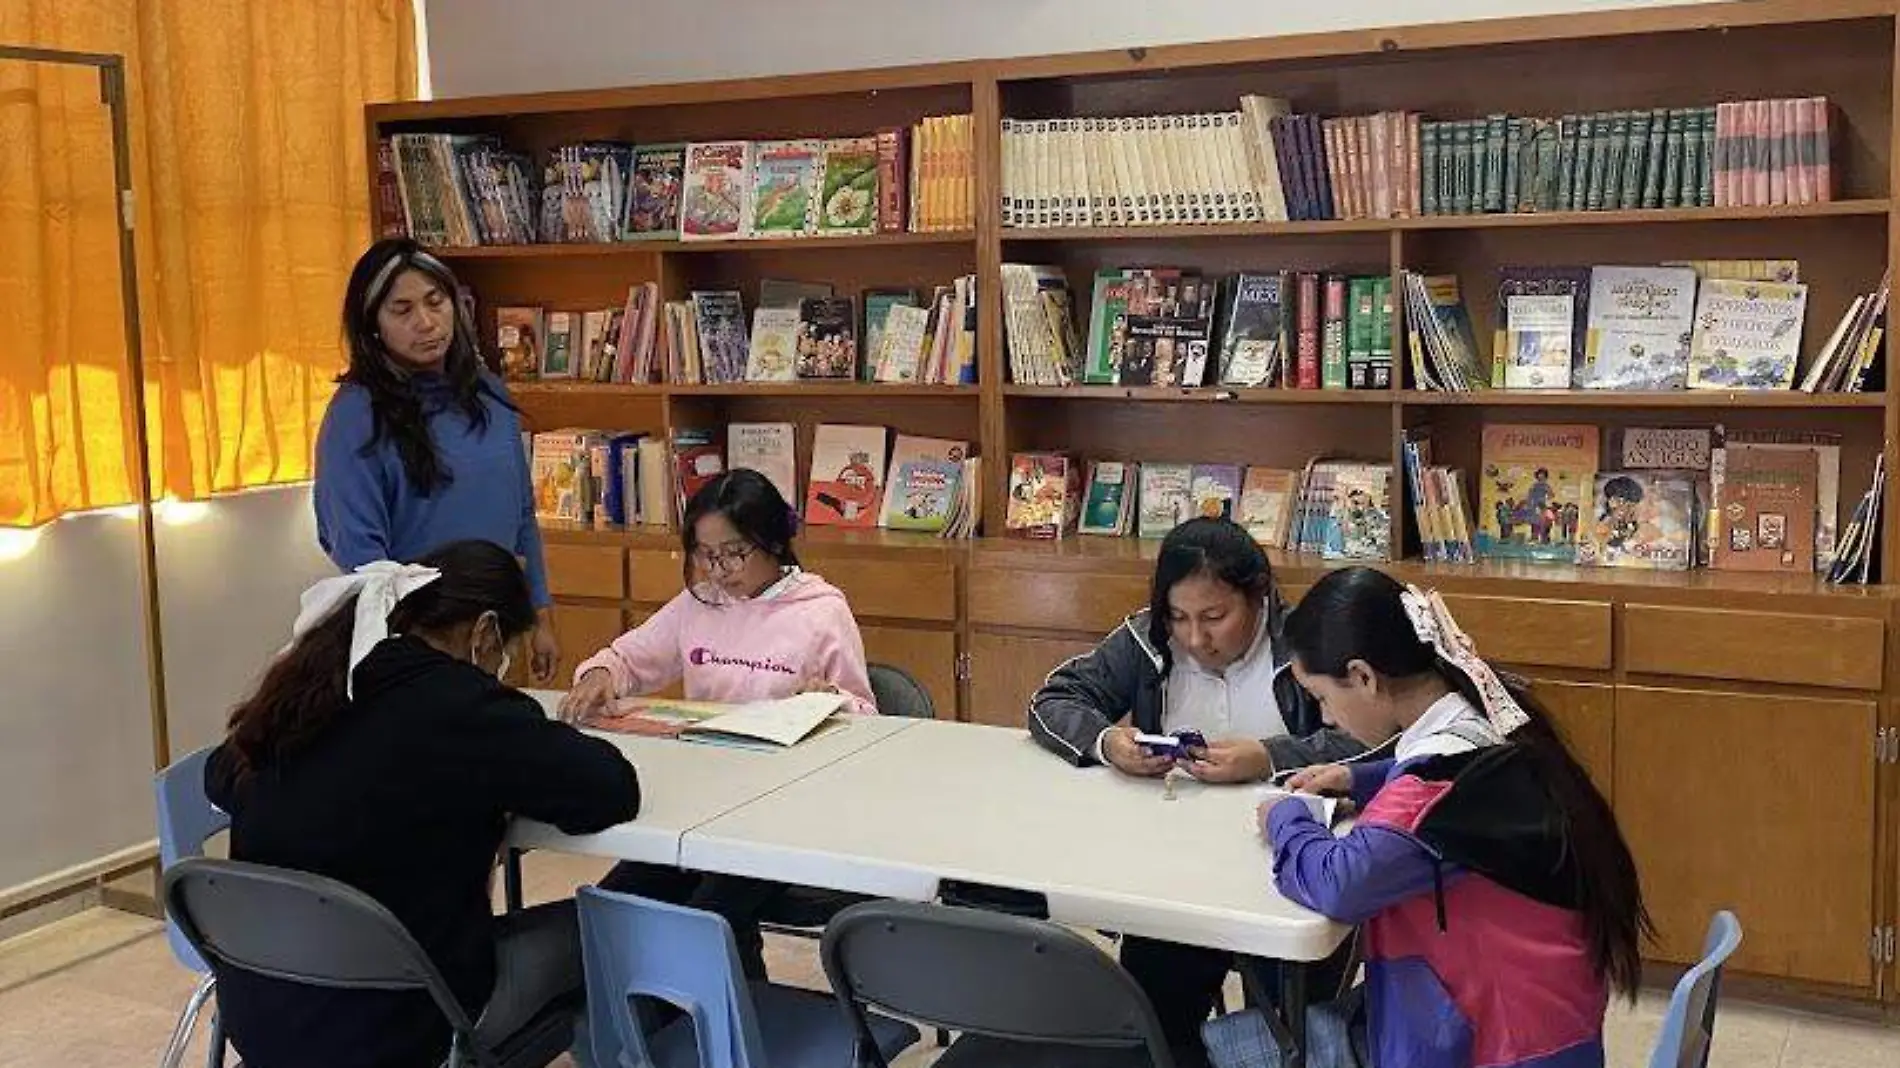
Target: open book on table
{"points": [[765, 725]]}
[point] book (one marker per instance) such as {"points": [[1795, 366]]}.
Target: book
{"points": [[1044, 495], [1213, 488], [1747, 335], [768, 448], [1169, 322], [719, 322], [697, 460], [518, 337], [653, 204], [1250, 346], [1536, 483], [1361, 524], [847, 191], [846, 483], [561, 474], [926, 474], [1542, 313], [1108, 502], [1827, 457], [772, 355], [1767, 502], [901, 346], [877, 309], [783, 293], [827, 338], [763, 725], [1108, 327], [1640, 519], [1165, 499], [716, 193], [1266, 503], [1641, 321], [784, 183], [557, 356]]}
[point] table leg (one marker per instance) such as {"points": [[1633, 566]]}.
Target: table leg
{"points": [[1261, 995], [1293, 1011], [511, 878]]}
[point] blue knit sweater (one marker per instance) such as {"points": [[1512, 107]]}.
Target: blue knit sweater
{"points": [[367, 509]]}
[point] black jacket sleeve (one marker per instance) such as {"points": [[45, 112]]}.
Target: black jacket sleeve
{"points": [[1085, 696], [546, 770]]}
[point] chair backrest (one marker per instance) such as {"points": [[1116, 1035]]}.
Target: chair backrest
{"points": [[636, 947], [301, 928], [186, 821], [1689, 1026], [898, 693], [987, 973]]}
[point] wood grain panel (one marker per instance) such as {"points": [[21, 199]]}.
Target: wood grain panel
{"points": [[1006, 670], [1762, 805], [586, 571], [1085, 602], [653, 575], [923, 590], [584, 630], [1715, 643], [1536, 632], [929, 655], [1585, 715]]}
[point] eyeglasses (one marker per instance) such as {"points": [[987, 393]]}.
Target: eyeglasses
{"points": [[730, 558]]}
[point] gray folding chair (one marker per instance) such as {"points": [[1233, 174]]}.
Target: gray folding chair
{"points": [[308, 929], [898, 693], [1022, 992]]}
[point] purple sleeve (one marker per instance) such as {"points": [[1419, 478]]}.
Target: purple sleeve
{"points": [[1367, 778], [1346, 879]]}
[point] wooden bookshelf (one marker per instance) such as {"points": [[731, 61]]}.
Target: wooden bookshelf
{"points": [[1732, 719]]}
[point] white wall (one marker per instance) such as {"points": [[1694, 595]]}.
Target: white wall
{"points": [[509, 46], [75, 739]]}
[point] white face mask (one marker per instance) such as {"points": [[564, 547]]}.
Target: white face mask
{"points": [[474, 647]]}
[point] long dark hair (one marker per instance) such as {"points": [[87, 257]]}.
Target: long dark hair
{"points": [[303, 691], [395, 406], [1356, 614], [754, 507], [1219, 549]]}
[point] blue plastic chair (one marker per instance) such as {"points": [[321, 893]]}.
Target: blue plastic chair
{"points": [[1689, 1026], [186, 820], [634, 947]]}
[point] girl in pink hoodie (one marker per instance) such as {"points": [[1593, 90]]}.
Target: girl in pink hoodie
{"points": [[749, 626]]}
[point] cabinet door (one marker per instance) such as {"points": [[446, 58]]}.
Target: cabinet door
{"points": [[584, 630], [1756, 803], [1006, 670], [1586, 717], [929, 655]]}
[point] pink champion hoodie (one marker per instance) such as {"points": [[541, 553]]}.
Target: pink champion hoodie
{"points": [[767, 647]]}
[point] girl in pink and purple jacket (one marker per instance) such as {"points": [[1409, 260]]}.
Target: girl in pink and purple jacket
{"points": [[1499, 900]]}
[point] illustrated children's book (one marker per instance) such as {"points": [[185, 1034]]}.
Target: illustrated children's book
{"points": [[653, 204], [784, 177], [1640, 519], [926, 475], [847, 476], [716, 201], [1045, 491], [764, 725], [1535, 484]]}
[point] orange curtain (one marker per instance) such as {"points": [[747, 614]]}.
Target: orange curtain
{"points": [[251, 187]]}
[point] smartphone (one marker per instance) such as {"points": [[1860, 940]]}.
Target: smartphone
{"points": [[1173, 746]]}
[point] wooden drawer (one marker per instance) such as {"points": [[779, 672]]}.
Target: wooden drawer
{"points": [[586, 571], [1081, 601], [1007, 670], [891, 589], [584, 630], [653, 575], [1715, 643], [1534, 632], [930, 656]]}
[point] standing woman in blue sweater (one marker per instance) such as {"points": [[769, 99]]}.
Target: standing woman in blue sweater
{"points": [[421, 445]]}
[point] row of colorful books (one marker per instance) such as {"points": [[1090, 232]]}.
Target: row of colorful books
{"points": [[1265, 162], [456, 190], [1166, 326], [799, 331], [857, 475], [1674, 498], [1337, 509], [1665, 327]]}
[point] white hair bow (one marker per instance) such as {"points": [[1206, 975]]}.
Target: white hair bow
{"points": [[378, 587], [1435, 627]]}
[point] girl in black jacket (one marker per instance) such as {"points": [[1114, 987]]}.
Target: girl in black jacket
{"points": [[381, 750]]}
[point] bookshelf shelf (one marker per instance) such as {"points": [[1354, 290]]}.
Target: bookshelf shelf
{"points": [[823, 389], [1678, 399], [1201, 395], [646, 248]]}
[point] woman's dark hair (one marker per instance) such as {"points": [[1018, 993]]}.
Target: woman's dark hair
{"points": [[1218, 548], [1356, 614], [303, 690], [395, 406], [754, 507]]}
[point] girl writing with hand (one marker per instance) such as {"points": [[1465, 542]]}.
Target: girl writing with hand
{"points": [[1499, 899]]}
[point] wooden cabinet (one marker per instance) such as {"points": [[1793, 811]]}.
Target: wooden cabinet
{"points": [[1006, 670], [1536, 632], [930, 656], [1585, 715], [1083, 601], [893, 589], [598, 571], [584, 630], [1722, 643], [1759, 804]]}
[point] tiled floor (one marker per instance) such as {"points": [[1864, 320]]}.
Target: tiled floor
{"points": [[101, 989]]}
